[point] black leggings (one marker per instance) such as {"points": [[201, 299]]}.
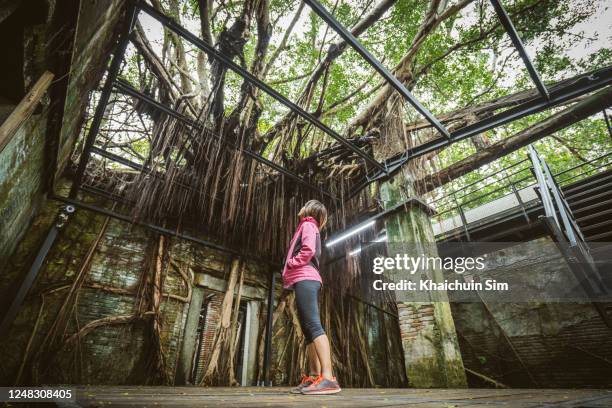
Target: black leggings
{"points": [[307, 301]]}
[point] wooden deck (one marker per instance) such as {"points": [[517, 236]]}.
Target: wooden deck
{"points": [[353, 398]]}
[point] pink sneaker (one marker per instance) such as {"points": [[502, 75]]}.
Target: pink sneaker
{"points": [[322, 386], [306, 381]]}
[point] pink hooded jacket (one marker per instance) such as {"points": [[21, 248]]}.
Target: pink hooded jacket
{"points": [[303, 256]]}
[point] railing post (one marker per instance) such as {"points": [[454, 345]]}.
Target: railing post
{"points": [[463, 219], [521, 203], [607, 119], [563, 211], [549, 208]]}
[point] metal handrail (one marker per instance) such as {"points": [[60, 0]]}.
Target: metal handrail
{"points": [[450, 199], [479, 180], [550, 195]]}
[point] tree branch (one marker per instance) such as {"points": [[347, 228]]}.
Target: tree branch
{"points": [[560, 120]]}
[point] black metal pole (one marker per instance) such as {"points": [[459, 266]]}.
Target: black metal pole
{"points": [[111, 75], [268, 347], [518, 44], [607, 119], [157, 228], [374, 63], [26, 284], [212, 52]]}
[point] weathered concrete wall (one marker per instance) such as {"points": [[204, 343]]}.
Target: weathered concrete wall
{"points": [[21, 174], [22, 163], [535, 343]]}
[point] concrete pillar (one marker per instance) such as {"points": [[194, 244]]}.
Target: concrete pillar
{"points": [[190, 333], [429, 339], [248, 375]]}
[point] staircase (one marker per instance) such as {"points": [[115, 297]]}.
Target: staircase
{"points": [[590, 200], [573, 208], [587, 189]]}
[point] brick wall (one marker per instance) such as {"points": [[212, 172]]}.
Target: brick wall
{"points": [[414, 319], [113, 353], [207, 335]]}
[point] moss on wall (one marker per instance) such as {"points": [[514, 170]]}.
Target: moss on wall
{"points": [[21, 173], [111, 353], [534, 343]]}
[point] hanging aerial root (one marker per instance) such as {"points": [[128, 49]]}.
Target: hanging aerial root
{"points": [[220, 367]]}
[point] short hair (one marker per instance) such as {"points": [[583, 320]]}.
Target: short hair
{"points": [[316, 210]]}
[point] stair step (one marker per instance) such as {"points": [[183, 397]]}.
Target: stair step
{"points": [[595, 226], [591, 216], [589, 181], [599, 236], [589, 207], [604, 188], [589, 198]]}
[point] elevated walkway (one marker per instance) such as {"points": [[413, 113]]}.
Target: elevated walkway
{"points": [[511, 212]]}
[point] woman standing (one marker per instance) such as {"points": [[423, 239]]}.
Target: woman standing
{"points": [[301, 274]]}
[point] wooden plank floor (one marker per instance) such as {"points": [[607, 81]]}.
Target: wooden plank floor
{"points": [[98, 396]]}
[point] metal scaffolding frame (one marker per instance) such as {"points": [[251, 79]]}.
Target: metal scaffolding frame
{"points": [[247, 76], [127, 89], [548, 98], [365, 54], [518, 44], [545, 100]]}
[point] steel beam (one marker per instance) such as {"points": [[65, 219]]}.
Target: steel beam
{"points": [[518, 44], [374, 63], [127, 89], [157, 228], [111, 75], [213, 53], [607, 119], [590, 82], [9, 317]]}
